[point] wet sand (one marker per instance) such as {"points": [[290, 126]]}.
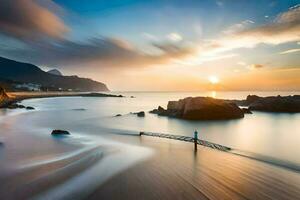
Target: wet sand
{"points": [[33, 164], [175, 172]]}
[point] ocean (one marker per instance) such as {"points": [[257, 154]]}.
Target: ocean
{"points": [[275, 135]]}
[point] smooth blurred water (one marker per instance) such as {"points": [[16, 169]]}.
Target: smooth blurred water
{"points": [[270, 134]]}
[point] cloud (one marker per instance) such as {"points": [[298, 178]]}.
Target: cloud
{"points": [[285, 28], [149, 36], [99, 52], [242, 63], [238, 27], [174, 37], [38, 20], [290, 51], [28, 19], [255, 66]]}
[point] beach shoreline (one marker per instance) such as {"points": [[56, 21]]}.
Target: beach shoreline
{"points": [[172, 171], [15, 97]]}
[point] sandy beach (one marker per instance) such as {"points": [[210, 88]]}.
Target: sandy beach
{"points": [[96, 164], [176, 172], [173, 171]]}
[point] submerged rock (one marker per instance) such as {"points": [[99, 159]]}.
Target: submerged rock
{"points": [[30, 108], [60, 132], [79, 109], [201, 108]]}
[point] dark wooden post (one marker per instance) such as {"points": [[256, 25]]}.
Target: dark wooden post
{"points": [[195, 139]]}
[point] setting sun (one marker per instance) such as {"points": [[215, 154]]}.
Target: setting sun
{"points": [[213, 79]]}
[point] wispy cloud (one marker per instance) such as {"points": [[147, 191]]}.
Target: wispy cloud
{"points": [[28, 20], [238, 27], [255, 66], [290, 51], [285, 28], [100, 53], [176, 37]]}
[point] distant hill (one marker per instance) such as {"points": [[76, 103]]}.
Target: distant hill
{"points": [[28, 73], [55, 72]]}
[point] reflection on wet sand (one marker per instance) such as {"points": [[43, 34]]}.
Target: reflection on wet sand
{"points": [[175, 172]]}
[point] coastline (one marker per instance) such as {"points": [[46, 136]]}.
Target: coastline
{"points": [[14, 97], [173, 171]]}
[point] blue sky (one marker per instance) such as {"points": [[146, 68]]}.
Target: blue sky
{"points": [[183, 42]]}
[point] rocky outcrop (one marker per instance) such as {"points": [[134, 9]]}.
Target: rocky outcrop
{"points": [[201, 108], [95, 94], [246, 110], [289, 104], [139, 114], [60, 132], [3, 97]]}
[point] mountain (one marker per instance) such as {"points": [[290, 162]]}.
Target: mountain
{"points": [[55, 72], [28, 73]]}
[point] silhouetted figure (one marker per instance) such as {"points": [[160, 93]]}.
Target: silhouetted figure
{"points": [[195, 139]]}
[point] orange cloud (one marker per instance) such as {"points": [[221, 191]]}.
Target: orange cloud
{"points": [[26, 19]]}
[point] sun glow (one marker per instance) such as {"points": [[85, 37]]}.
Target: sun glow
{"points": [[213, 79]]}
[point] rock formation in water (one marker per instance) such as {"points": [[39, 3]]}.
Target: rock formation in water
{"points": [[201, 108], [139, 114], [95, 94], [60, 132], [289, 104]]}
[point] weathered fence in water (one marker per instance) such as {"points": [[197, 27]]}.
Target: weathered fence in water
{"points": [[188, 139]]}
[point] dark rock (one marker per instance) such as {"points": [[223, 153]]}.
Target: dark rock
{"points": [[4, 98], [288, 104], [30, 108], [15, 106], [201, 108], [132, 97], [93, 94], [160, 111], [246, 111], [118, 115], [79, 109], [141, 114], [252, 98], [60, 132]]}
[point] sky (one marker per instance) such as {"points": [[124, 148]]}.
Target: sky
{"points": [[159, 45]]}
